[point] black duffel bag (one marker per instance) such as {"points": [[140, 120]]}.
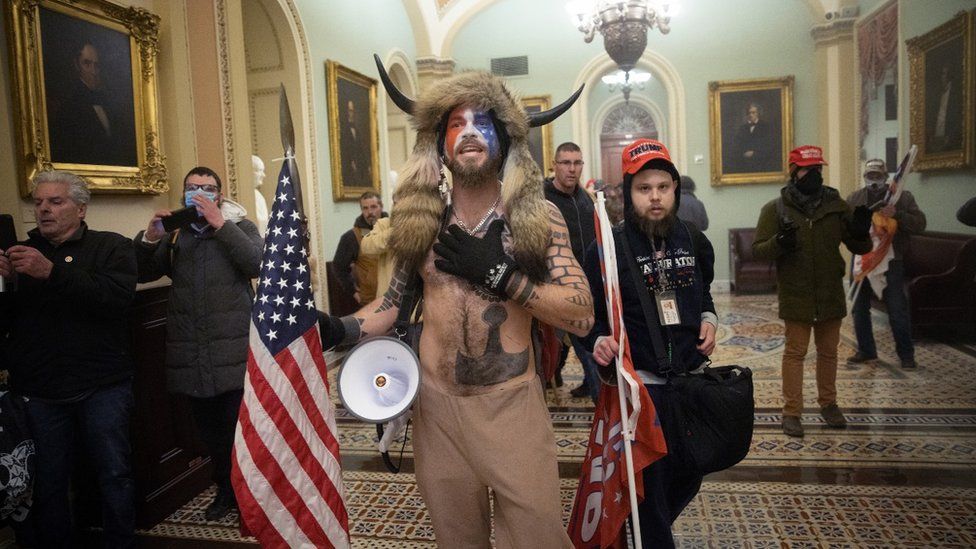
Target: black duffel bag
{"points": [[715, 412]]}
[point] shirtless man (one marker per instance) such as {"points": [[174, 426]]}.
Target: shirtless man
{"points": [[481, 419]]}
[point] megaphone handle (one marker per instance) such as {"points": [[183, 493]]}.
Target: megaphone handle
{"points": [[386, 455]]}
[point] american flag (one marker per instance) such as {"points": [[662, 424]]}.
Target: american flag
{"points": [[286, 472]]}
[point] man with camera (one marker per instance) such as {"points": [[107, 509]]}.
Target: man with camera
{"points": [[675, 263], [211, 260], [64, 339]]}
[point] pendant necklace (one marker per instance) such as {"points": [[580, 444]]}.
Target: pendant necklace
{"points": [[481, 223]]}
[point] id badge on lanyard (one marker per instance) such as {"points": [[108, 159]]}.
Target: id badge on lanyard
{"points": [[667, 300], [667, 307]]}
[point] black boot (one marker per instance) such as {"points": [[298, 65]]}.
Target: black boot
{"points": [[221, 505]]}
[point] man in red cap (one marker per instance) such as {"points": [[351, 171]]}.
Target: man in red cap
{"points": [[675, 266], [802, 230]]}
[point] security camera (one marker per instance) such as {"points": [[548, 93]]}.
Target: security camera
{"points": [[831, 15]]}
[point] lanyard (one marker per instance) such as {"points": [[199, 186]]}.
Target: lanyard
{"points": [[662, 275]]}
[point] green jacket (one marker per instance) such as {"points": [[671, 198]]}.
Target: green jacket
{"points": [[810, 278]]}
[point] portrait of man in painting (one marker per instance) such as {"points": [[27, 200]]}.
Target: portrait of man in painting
{"points": [[88, 91], [751, 131], [354, 134], [944, 96]]}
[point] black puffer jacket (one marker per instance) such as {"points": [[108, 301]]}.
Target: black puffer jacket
{"points": [[209, 305]]}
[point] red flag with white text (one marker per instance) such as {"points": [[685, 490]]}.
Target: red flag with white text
{"points": [[602, 498]]}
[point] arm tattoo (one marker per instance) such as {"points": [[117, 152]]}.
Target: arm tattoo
{"points": [[394, 296], [522, 290], [354, 329]]}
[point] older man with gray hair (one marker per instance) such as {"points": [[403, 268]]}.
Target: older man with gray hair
{"points": [[64, 339]]}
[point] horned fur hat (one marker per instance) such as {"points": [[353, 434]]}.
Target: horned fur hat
{"points": [[419, 207]]}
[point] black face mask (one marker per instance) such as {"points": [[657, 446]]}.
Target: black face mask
{"points": [[811, 183]]}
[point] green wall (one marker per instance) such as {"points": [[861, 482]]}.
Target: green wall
{"points": [[710, 40], [337, 31]]}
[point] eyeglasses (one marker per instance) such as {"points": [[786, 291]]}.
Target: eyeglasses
{"points": [[568, 163], [204, 188]]}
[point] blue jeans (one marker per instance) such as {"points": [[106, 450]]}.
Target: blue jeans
{"points": [[101, 423], [896, 301], [590, 378]]}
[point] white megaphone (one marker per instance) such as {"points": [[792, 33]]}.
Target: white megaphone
{"points": [[379, 379]]}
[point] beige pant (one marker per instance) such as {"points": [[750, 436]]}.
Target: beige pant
{"points": [[826, 336], [501, 440]]}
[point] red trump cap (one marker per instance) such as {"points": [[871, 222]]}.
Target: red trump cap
{"points": [[636, 155], [807, 155]]}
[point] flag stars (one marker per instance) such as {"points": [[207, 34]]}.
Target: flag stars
{"points": [[291, 320], [279, 300], [275, 317], [271, 335], [261, 316], [276, 231], [289, 249], [299, 285], [282, 197], [273, 248], [282, 283], [263, 299], [302, 268], [280, 215], [285, 266], [295, 302], [295, 216], [292, 233], [284, 180], [309, 304]]}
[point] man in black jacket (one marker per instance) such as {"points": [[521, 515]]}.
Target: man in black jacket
{"points": [[576, 205], [676, 264], [65, 341]]}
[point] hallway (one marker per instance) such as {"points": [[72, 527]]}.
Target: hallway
{"points": [[903, 474]]}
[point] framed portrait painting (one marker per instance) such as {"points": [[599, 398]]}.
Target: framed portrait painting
{"points": [[540, 139], [751, 130], [941, 84], [353, 136], [84, 87]]}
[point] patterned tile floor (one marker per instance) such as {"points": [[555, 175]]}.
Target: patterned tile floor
{"points": [[902, 475]]}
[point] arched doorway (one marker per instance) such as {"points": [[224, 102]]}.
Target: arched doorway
{"points": [[622, 125]]}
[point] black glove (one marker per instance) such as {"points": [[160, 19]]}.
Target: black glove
{"points": [[786, 237], [480, 261], [861, 222], [331, 330]]}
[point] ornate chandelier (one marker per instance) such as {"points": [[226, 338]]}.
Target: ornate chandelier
{"points": [[623, 25]]}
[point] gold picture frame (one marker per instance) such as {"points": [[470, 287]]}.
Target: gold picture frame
{"points": [[353, 144], [744, 150], [84, 93], [540, 138], [941, 83]]}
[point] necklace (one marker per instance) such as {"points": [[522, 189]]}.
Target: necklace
{"points": [[481, 223]]}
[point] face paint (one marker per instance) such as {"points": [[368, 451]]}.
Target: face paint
{"points": [[466, 126]]}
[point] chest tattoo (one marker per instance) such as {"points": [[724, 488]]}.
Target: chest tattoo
{"points": [[494, 365]]}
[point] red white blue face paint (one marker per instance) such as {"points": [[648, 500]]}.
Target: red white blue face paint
{"points": [[470, 131]]}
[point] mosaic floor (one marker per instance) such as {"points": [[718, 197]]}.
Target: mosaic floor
{"points": [[902, 475]]}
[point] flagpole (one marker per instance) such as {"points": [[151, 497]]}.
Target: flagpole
{"points": [[610, 263]]}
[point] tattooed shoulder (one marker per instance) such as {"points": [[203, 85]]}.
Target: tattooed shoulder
{"points": [[394, 295]]}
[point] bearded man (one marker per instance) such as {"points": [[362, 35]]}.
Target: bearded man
{"points": [[676, 265], [491, 259]]}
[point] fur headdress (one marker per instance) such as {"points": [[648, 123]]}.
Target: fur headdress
{"points": [[416, 216]]}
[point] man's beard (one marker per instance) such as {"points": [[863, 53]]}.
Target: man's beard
{"points": [[471, 176], [650, 227]]}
